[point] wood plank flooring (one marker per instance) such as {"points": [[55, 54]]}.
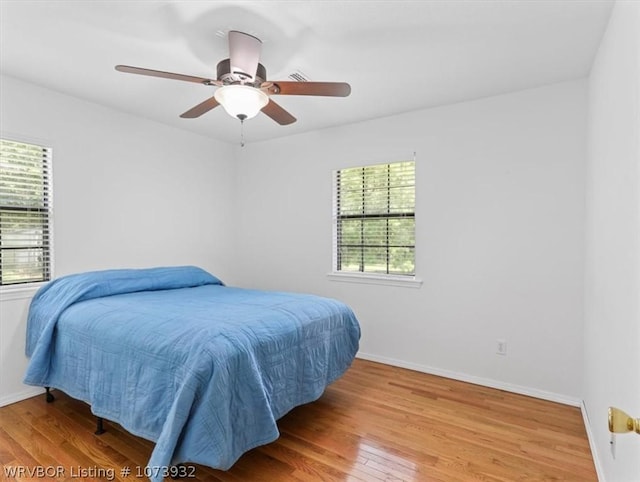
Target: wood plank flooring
{"points": [[376, 423]]}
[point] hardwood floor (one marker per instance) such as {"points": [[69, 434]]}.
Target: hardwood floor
{"points": [[376, 423]]}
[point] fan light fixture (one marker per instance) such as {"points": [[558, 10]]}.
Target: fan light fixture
{"points": [[241, 101]]}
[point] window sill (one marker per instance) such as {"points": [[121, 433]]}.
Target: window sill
{"points": [[19, 292], [372, 279]]}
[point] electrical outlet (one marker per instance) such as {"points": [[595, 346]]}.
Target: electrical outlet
{"points": [[501, 346]]}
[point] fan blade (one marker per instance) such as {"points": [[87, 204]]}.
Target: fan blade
{"points": [[278, 114], [244, 54], [166, 75], [329, 89], [201, 108]]}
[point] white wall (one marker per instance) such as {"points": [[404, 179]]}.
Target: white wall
{"points": [[127, 193], [612, 281], [500, 234]]}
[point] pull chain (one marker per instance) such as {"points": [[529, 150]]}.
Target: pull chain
{"points": [[242, 117]]}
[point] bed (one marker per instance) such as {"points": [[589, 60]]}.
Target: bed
{"points": [[173, 355]]}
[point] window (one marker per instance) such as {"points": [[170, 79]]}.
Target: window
{"points": [[25, 213], [374, 216]]}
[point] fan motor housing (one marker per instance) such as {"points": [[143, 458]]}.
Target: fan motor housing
{"points": [[227, 77]]}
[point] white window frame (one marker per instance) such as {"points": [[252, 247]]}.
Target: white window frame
{"points": [[363, 276]]}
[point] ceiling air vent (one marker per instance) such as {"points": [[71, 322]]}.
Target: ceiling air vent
{"points": [[298, 76]]}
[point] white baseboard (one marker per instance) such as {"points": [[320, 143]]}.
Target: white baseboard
{"points": [[17, 397], [486, 382], [592, 444]]}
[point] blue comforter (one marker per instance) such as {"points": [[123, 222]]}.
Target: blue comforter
{"points": [[174, 356]]}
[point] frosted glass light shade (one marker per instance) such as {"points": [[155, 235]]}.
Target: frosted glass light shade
{"points": [[241, 101]]}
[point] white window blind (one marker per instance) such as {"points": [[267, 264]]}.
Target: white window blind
{"points": [[374, 219], [25, 212]]}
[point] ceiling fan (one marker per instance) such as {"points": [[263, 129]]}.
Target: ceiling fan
{"points": [[243, 89]]}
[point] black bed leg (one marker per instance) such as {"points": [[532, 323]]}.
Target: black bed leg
{"points": [[49, 396], [100, 426]]}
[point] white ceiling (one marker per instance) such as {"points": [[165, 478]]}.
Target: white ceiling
{"points": [[397, 55]]}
